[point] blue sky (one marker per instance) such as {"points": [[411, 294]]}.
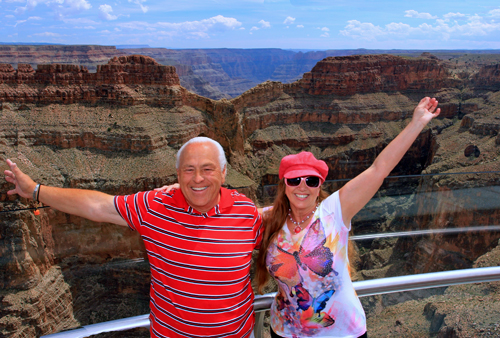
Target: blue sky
{"points": [[287, 24]]}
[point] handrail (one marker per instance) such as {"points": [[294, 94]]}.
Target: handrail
{"points": [[363, 289], [425, 232]]}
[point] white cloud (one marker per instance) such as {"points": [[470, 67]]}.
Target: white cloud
{"points": [[495, 13], [300, 26], [48, 34], [366, 30], [265, 24], [218, 22], [105, 12], [454, 16], [289, 20], [187, 29], [60, 8], [444, 29], [29, 19], [325, 35], [414, 14], [325, 29], [10, 16], [140, 3]]}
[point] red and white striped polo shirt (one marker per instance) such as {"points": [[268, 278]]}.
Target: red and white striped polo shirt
{"points": [[200, 263]]}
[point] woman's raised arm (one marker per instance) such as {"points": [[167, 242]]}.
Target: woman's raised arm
{"points": [[357, 192]]}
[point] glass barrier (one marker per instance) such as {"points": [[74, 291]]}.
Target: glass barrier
{"points": [[415, 225]]}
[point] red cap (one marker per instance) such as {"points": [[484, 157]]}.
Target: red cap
{"points": [[302, 164]]}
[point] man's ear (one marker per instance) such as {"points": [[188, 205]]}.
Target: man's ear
{"points": [[224, 172]]}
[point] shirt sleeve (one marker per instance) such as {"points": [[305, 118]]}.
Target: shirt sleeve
{"points": [[131, 208], [258, 228], [331, 207]]}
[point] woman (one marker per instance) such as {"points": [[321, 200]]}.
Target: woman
{"points": [[306, 239]]}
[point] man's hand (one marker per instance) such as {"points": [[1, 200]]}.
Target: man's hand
{"points": [[93, 205], [24, 184]]}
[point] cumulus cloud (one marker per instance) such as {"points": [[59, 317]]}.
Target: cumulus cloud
{"points": [[188, 29], [445, 29], [300, 26], [454, 16], [325, 31], [60, 8], [495, 13], [265, 24], [48, 34], [289, 20], [414, 14], [105, 12], [144, 9]]}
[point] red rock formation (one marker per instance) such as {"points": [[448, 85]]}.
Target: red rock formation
{"points": [[488, 77], [136, 69], [55, 83], [370, 74]]}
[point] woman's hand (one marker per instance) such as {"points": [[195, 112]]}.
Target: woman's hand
{"points": [[167, 188], [426, 110]]}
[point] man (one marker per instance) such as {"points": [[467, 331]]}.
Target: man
{"points": [[199, 241]]}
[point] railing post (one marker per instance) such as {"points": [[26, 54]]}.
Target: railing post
{"points": [[259, 324]]}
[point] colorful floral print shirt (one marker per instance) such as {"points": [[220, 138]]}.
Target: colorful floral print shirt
{"points": [[316, 296]]}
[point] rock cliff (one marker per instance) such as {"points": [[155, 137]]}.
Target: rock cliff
{"points": [[117, 130]]}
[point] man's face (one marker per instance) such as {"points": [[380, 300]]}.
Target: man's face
{"points": [[200, 175]]}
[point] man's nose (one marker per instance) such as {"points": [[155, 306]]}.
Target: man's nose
{"points": [[198, 177]]}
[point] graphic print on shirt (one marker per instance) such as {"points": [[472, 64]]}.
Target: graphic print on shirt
{"points": [[305, 301], [312, 255]]}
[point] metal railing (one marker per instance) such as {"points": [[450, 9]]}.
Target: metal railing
{"points": [[263, 303]]}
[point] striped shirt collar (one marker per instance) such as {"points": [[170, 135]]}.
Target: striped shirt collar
{"points": [[178, 199]]}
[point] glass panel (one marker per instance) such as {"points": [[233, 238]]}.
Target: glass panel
{"points": [[414, 225]]}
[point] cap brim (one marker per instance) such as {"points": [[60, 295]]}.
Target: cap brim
{"points": [[302, 173]]}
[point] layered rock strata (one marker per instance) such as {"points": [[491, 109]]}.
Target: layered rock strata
{"points": [[117, 130]]}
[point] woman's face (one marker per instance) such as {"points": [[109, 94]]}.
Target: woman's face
{"points": [[302, 197]]}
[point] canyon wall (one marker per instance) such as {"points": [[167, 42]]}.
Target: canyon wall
{"points": [[224, 73], [117, 130]]}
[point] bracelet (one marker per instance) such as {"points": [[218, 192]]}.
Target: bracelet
{"points": [[36, 192]]}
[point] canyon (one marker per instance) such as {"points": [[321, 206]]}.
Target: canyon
{"points": [[117, 129]]}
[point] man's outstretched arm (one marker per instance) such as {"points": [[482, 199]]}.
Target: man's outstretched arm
{"points": [[93, 205]]}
